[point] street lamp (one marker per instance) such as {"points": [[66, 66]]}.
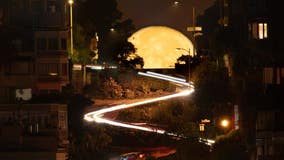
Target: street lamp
{"points": [[188, 51], [225, 123], [71, 27]]}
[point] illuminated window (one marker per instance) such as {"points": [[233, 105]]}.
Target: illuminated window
{"points": [[258, 30], [265, 30]]}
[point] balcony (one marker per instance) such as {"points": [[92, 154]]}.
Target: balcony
{"points": [[40, 20], [50, 20]]}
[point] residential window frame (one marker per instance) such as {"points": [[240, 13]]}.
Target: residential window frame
{"points": [[258, 30]]}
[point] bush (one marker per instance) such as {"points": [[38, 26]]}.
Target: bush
{"points": [[230, 147], [112, 89]]}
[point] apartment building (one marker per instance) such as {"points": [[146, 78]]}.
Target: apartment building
{"points": [[33, 131], [35, 35]]}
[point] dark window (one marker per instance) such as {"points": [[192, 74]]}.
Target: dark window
{"points": [[17, 44], [53, 91], [52, 44], [64, 69], [41, 44], [43, 91], [53, 68], [63, 44], [21, 68], [1, 16], [279, 121], [48, 68], [37, 6], [51, 6], [43, 69]]}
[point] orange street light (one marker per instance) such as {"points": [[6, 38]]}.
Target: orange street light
{"points": [[225, 123]]}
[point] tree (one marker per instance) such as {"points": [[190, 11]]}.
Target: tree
{"points": [[112, 89], [192, 149], [231, 146], [127, 57], [82, 52], [212, 87], [103, 18]]}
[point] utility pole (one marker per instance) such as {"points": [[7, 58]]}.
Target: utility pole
{"points": [[193, 24], [194, 29]]}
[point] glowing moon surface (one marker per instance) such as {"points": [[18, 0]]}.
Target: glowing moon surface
{"points": [[157, 46]]}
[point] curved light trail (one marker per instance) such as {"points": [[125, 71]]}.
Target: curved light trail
{"points": [[98, 115]]}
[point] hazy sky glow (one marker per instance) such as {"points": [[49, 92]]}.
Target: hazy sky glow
{"points": [[162, 12]]}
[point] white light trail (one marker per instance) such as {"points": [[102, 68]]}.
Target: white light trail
{"points": [[167, 79], [208, 142], [166, 76], [98, 115]]}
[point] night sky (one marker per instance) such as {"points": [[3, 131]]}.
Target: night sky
{"points": [[162, 12]]}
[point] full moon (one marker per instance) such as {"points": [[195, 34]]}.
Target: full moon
{"points": [[157, 45]]}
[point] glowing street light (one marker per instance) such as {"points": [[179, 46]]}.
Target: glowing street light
{"points": [[225, 123], [188, 51], [71, 27], [176, 2]]}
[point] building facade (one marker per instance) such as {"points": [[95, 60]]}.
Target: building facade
{"points": [[33, 131], [34, 35], [249, 32]]}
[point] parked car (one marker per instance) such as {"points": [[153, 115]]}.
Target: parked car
{"points": [[133, 156]]}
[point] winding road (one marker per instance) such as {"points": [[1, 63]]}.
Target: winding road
{"points": [[98, 115]]}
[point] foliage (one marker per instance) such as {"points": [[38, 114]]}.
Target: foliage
{"points": [[112, 89], [85, 142], [106, 86], [211, 83], [82, 52], [230, 147], [127, 57], [103, 18], [192, 149], [90, 143]]}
